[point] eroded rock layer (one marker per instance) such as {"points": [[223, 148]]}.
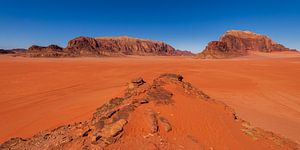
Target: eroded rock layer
{"points": [[108, 46], [238, 43], [49, 51], [168, 113]]}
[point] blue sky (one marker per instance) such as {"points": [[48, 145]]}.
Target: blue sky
{"points": [[187, 24]]}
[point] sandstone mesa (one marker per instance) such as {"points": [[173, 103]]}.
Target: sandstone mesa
{"points": [[107, 46], [235, 43]]}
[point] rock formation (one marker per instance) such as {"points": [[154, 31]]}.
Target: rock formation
{"points": [[49, 51], [107, 46], [2, 51], [168, 113], [238, 43], [184, 53], [12, 51]]}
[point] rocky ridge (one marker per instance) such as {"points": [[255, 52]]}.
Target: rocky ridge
{"points": [[112, 122]]}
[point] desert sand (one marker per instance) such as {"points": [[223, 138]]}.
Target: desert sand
{"points": [[43, 93]]}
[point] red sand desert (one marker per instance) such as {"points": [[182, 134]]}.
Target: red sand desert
{"points": [[43, 93]]}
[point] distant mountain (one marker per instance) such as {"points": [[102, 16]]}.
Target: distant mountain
{"points": [[236, 43], [2, 51], [107, 46], [12, 51]]}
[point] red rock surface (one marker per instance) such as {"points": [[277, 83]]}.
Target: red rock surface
{"points": [[107, 46], [238, 43], [118, 46], [168, 113]]}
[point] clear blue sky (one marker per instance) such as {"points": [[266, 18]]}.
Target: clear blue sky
{"points": [[186, 24]]}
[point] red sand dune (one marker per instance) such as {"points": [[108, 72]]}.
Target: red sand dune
{"points": [[38, 94]]}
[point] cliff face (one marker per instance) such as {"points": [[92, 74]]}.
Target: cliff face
{"points": [[237, 43], [108, 46], [118, 46]]}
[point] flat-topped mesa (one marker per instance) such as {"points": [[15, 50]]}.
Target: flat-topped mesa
{"points": [[108, 46], [247, 40], [238, 43], [118, 46]]}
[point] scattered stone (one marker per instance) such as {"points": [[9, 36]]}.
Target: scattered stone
{"points": [[100, 123], [171, 75], [106, 110], [95, 138], [116, 101], [151, 119], [110, 113], [234, 116], [138, 102], [143, 101], [165, 123], [138, 81], [123, 112], [135, 83], [113, 129], [160, 95], [86, 133]]}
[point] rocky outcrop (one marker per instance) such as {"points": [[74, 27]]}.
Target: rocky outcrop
{"points": [[108, 46], [138, 118], [118, 46], [238, 43], [49, 51]]}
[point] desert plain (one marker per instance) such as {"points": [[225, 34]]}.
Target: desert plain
{"points": [[42, 93]]}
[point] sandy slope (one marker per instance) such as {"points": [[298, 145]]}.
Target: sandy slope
{"points": [[38, 94]]}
